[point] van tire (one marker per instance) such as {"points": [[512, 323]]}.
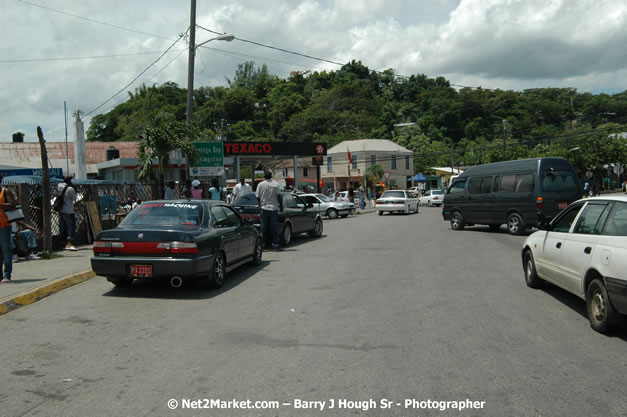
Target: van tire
{"points": [[515, 224], [457, 221]]}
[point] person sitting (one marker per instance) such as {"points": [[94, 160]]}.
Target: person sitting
{"points": [[27, 233]]}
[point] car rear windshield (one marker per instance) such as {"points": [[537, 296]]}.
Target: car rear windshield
{"points": [[165, 214], [249, 199], [433, 192], [556, 181], [394, 194]]}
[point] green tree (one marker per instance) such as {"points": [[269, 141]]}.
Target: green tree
{"points": [[166, 134]]}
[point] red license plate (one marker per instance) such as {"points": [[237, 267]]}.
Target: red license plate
{"points": [[141, 271], [562, 205]]}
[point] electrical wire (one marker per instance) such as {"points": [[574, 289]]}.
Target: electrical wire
{"points": [[80, 57], [92, 20], [140, 74]]}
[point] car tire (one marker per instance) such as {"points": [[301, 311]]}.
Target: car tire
{"points": [[286, 236], [318, 227], [531, 276], [332, 213], [600, 310], [457, 221], [495, 227], [258, 252], [121, 282], [379, 212], [515, 224], [215, 277]]}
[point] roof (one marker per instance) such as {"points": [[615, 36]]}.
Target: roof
{"points": [[455, 171], [289, 163], [14, 152], [368, 145]]}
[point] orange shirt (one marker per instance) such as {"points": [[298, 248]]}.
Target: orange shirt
{"points": [[4, 221]]}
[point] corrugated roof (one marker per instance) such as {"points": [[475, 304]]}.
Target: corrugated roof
{"points": [[368, 145], [289, 163]]}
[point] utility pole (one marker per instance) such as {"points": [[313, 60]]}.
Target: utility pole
{"points": [[45, 189], [504, 139], [190, 63]]}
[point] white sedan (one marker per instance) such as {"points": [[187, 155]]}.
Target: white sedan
{"points": [[432, 198], [396, 200], [584, 251]]}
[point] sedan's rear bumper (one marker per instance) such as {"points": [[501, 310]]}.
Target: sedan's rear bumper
{"points": [[391, 207], [617, 291], [120, 266]]}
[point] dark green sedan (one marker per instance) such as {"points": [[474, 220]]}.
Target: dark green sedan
{"points": [[177, 240]]}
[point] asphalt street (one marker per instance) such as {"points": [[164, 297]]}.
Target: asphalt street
{"points": [[393, 307]]}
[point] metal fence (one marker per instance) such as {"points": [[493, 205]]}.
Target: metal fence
{"points": [[112, 200]]}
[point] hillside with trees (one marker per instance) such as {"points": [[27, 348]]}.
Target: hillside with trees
{"points": [[459, 126]]}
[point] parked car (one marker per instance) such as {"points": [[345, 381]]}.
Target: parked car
{"points": [[297, 216], [519, 193], [432, 198], [584, 251], [177, 240], [396, 201], [326, 206], [415, 191]]}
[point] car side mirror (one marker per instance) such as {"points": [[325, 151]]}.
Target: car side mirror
{"points": [[249, 220]]}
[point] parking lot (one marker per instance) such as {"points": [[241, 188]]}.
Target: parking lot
{"points": [[381, 307]]}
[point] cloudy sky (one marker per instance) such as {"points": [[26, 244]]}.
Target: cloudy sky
{"points": [[84, 52]]}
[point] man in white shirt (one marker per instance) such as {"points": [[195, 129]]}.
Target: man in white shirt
{"points": [[241, 189], [270, 202]]}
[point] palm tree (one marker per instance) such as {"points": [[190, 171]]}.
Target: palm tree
{"points": [[157, 141]]}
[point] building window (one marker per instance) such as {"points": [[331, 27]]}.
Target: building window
{"points": [[407, 162], [373, 159], [393, 161], [305, 172], [329, 164], [284, 172], [354, 157]]}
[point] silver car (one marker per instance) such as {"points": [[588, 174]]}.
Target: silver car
{"points": [[396, 200], [326, 206]]}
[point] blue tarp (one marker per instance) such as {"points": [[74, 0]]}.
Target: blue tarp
{"points": [[420, 178]]}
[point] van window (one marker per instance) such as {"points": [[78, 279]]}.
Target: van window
{"points": [[480, 185], [559, 181], [457, 186], [521, 183]]}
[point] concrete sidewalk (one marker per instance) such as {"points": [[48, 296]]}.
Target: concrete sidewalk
{"points": [[34, 280]]}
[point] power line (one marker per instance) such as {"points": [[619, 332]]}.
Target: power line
{"points": [[140, 74], [92, 20], [79, 57]]}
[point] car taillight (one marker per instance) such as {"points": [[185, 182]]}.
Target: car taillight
{"points": [[435, 198], [379, 202], [179, 247], [539, 202], [101, 246]]}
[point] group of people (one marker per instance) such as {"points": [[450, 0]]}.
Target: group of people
{"points": [[19, 239], [193, 189]]}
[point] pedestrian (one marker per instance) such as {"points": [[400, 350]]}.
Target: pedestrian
{"points": [[595, 190], [169, 191], [68, 216], [362, 197], [27, 233], [351, 194], [196, 190], [337, 196], [270, 202], [187, 187], [7, 203], [586, 189], [229, 197], [241, 188], [215, 192]]}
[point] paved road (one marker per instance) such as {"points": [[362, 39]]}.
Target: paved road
{"points": [[382, 307]]}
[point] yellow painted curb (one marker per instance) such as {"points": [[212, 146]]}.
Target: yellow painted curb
{"points": [[36, 294]]}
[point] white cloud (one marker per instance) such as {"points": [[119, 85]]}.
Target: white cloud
{"points": [[507, 44]]}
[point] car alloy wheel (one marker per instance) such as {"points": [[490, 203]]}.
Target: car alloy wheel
{"points": [[258, 252], [332, 213], [287, 234], [457, 221], [317, 231], [600, 310], [216, 276]]}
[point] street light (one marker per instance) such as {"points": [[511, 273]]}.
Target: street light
{"points": [[190, 72]]}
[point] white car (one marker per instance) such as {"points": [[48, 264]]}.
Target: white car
{"points": [[327, 207], [396, 201], [584, 251], [432, 198]]}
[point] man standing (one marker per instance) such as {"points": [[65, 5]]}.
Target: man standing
{"points": [[68, 217], [270, 202], [7, 203], [169, 191], [241, 189]]}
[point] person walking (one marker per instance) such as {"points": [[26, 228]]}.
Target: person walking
{"points": [[215, 192], [7, 203], [169, 191], [196, 190], [270, 202], [68, 216], [241, 188]]}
